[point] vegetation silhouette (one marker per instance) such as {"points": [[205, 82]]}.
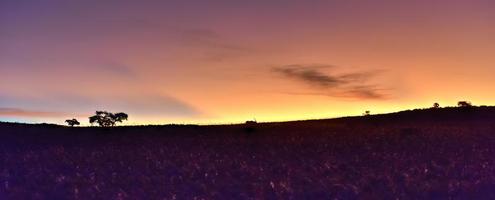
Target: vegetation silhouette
{"points": [[72, 122], [107, 119], [367, 113], [251, 122], [436, 105], [464, 104], [250, 126]]}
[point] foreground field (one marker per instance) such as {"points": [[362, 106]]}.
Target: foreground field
{"points": [[420, 154]]}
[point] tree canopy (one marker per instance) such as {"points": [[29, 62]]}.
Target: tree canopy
{"points": [[106, 119]]}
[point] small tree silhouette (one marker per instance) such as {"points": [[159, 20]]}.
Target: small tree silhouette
{"points": [[436, 105], [367, 113], [72, 122], [106, 119], [464, 104]]}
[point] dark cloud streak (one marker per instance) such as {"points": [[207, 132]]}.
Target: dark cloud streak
{"points": [[346, 85]]}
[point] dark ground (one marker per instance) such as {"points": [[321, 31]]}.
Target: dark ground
{"points": [[444, 153]]}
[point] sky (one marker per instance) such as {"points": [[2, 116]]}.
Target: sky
{"points": [[214, 61]]}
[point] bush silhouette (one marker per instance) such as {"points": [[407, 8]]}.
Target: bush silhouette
{"points": [[250, 125], [367, 113], [436, 105], [106, 119], [251, 122], [464, 104], [72, 122]]}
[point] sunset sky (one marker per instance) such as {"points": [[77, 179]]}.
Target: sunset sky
{"points": [[230, 61]]}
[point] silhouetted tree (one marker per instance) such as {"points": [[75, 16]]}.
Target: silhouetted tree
{"points": [[72, 122], [367, 113], [464, 104], [106, 119], [436, 105]]}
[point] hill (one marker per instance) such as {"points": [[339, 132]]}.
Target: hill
{"points": [[430, 153]]}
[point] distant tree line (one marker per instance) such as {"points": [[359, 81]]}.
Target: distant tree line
{"points": [[102, 118], [462, 104], [108, 119]]}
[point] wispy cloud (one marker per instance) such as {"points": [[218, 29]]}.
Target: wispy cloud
{"points": [[347, 85], [120, 69], [209, 38], [17, 112], [67, 105], [211, 45], [153, 105]]}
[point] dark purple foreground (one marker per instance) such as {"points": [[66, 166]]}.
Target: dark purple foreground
{"points": [[447, 153]]}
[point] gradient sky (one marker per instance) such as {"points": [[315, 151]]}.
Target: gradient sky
{"points": [[230, 61]]}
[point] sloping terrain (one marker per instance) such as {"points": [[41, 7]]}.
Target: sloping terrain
{"points": [[438, 153]]}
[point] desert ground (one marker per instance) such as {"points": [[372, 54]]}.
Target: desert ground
{"points": [[429, 153]]}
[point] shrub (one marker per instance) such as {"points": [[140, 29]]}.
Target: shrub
{"points": [[72, 122]]}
